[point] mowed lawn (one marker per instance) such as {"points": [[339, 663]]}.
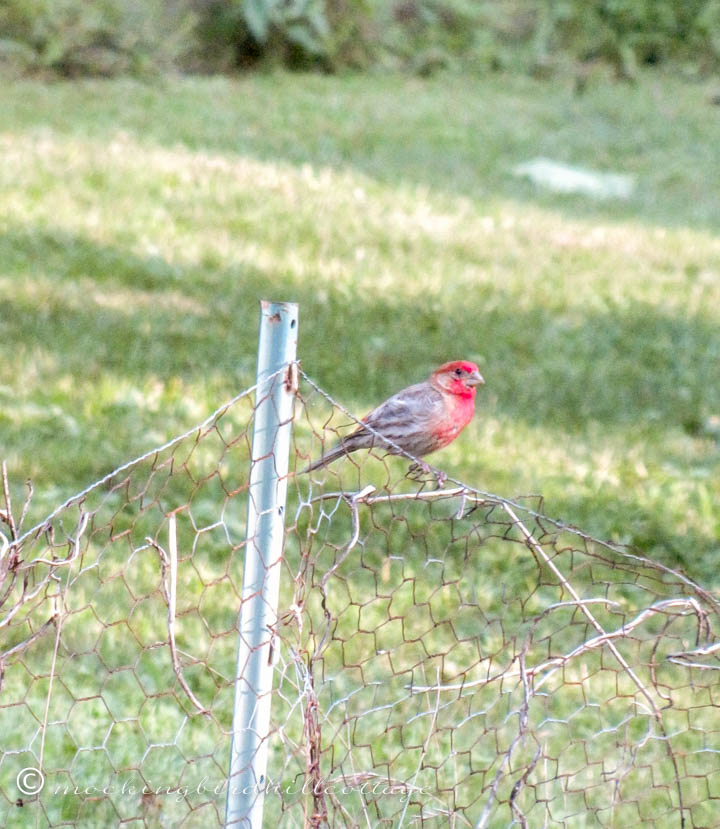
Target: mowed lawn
{"points": [[141, 222]]}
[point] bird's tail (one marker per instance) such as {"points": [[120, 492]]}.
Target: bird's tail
{"points": [[325, 459]]}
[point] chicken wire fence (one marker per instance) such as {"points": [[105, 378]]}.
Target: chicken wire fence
{"points": [[442, 656]]}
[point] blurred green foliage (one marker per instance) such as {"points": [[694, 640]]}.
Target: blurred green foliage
{"points": [[629, 32], [110, 37], [102, 38]]}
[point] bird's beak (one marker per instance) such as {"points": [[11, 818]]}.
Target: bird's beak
{"points": [[475, 379]]}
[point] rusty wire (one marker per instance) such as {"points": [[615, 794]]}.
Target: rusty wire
{"points": [[444, 656]]}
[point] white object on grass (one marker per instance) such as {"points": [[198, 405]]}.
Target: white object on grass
{"points": [[562, 178]]}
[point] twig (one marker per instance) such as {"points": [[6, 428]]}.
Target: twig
{"points": [[684, 658], [59, 602], [523, 715], [26, 505], [431, 729], [352, 500], [6, 563], [516, 789], [75, 542], [597, 641], [23, 600], [363, 496], [313, 732], [538, 549], [169, 574], [29, 596], [21, 646], [7, 514]]}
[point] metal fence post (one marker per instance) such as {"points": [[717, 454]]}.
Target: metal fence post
{"points": [[261, 574]]}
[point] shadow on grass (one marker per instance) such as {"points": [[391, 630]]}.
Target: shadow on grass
{"points": [[100, 308], [103, 315]]}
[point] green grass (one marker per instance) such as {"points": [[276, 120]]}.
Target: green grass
{"points": [[140, 224]]}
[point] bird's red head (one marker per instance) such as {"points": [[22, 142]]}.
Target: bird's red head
{"points": [[459, 377]]}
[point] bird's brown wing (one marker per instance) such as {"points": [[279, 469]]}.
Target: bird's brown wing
{"points": [[407, 419]]}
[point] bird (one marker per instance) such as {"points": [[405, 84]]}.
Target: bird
{"points": [[418, 420]]}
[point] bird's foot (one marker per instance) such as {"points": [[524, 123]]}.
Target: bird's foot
{"points": [[418, 471], [423, 473]]}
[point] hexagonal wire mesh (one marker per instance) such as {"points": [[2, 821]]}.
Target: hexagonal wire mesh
{"points": [[443, 657]]}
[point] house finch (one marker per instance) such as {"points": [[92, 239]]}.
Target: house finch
{"points": [[418, 419]]}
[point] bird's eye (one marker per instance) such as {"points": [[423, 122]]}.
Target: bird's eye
{"points": [[458, 372]]}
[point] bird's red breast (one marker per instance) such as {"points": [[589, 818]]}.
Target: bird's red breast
{"points": [[459, 410], [457, 382]]}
